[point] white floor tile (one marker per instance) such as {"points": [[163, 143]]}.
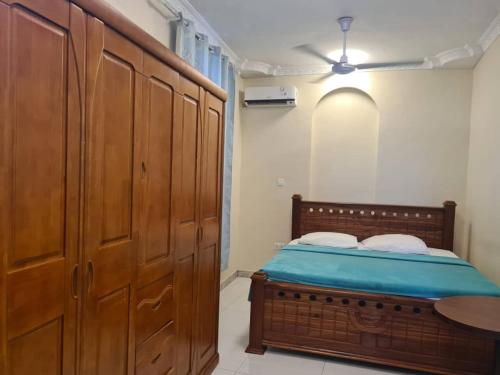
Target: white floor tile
{"points": [[231, 358], [333, 367], [240, 304], [234, 291], [220, 371], [286, 363]]}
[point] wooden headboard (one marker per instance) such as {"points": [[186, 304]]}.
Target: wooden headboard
{"points": [[434, 225]]}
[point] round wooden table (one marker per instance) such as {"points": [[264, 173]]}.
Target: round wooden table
{"points": [[476, 314]]}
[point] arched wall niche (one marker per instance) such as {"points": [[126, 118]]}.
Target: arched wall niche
{"points": [[344, 147]]}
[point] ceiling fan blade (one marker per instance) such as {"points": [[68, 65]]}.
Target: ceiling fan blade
{"points": [[310, 50], [389, 65], [323, 77]]}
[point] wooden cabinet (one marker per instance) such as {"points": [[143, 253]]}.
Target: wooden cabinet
{"points": [[110, 167]]}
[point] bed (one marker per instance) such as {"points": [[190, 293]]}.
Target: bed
{"points": [[377, 325]]}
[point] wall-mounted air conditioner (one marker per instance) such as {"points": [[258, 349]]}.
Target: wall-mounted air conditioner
{"points": [[271, 96]]}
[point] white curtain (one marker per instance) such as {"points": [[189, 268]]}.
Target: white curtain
{"points": [[201, 59], [224, 72], [230, 87], [214, 64], [185, 40]]}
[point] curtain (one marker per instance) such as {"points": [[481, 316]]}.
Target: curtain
{"points": [[201, 58], [229, 79], [224, 72], [185, 40], [214, 64]]}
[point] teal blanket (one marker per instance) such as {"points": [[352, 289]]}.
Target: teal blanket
{"points": [[410, 275]]}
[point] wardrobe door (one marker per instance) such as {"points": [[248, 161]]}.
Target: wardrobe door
{"points": [[207, 291], [185, 172], [155, 343], [41, 60], [155, 256], [113, 164]]}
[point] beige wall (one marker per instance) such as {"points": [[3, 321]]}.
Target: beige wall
{"points": [[422, 150], [483, 192], [344, 142], [145, 16]]}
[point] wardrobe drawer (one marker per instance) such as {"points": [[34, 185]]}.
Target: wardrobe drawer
{"points": [[155, 307], [156, 355]]}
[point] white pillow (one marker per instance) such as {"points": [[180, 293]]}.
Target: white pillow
{"points": [[329, 239], [396, 243], [442, 253]]}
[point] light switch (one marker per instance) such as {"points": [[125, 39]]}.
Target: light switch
{"points": [[280, 182]]}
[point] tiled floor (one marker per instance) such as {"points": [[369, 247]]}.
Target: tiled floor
{"points": [[233, 338]]}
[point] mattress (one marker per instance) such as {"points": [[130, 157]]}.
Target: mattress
{"points": [[423, 276]]}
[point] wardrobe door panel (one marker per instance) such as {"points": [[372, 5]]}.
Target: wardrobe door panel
{"points": [[55, 10], [26, 352], [207, 295], [41, 106], [112, 332], [185, 272], [114, 99], [186, 158], [155, 253]]}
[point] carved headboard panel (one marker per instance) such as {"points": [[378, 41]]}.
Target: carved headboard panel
{"points": [[434, 225]]}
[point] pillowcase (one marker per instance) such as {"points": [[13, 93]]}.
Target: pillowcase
{"points": [[396, 243], [329, 239], [442, 253]]}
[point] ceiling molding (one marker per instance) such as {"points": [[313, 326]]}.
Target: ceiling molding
{"points": [[491, 34], [258, 68], [440, 60], [433, 62], [464, 52]]}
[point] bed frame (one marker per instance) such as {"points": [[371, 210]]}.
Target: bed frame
{"points": [[389, 330]]}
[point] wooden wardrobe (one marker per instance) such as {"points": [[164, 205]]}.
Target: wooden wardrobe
{"points": [[110, 197]]}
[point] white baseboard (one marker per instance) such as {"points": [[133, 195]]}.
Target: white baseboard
{"points": [[247, 274], [228, 280]]}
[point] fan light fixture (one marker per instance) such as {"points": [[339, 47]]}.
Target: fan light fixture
{"points": [[356, 56], [343, 65]]}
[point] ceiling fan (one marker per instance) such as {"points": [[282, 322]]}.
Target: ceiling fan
{"points": [[343, 66]]}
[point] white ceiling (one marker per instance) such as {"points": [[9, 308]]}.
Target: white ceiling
{"points": [[388, 30]]}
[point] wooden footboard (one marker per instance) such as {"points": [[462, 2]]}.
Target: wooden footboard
{"points": [[389, 330]]}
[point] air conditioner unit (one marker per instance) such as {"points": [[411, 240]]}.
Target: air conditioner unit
{"points": [[271, 96]]}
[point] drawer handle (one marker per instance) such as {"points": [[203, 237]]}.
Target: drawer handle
{"points": [[155, 359], [156, 306]]}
